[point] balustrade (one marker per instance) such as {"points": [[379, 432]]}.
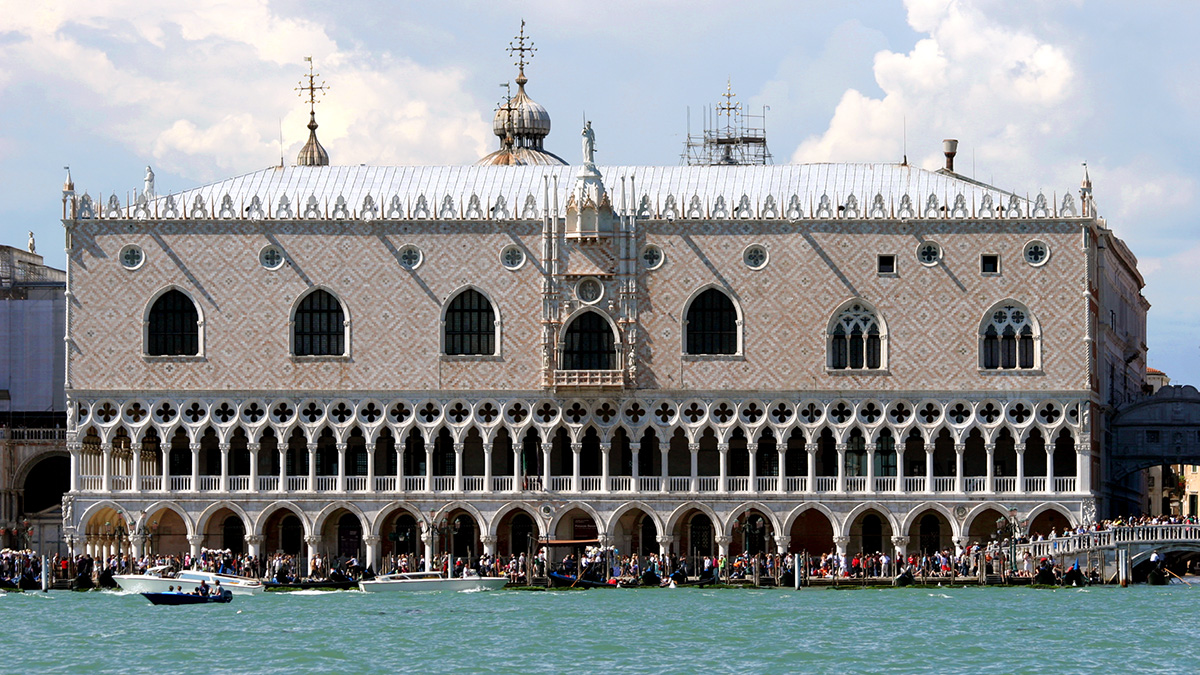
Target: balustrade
{"points": [[767, 484], [239, 483], [152, 484], [533, 484], [1035, 484], [916, 484], [1064, 484], [796, 484], [472, 483], [502, 483], [974, 484], [856, 484], [620, 483], [443, 483], [560, 483], [737, 484], [1006, 484], [121, 483], [708, 484], [590, 483], [297, 483], [679, 484], [385, 483], [180, 483], [650, 484], [414, 484], [326, 483], [268, 483], [943, 483], [885, 484], [210, 483], [826, 483], [356, 483]]}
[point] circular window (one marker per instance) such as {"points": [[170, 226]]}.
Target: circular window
{"points": [[271, 257], [929, 253], [1037, 253], [589, 290], [652, 256], [132, 257], [512, 257], [411, 257], [755, 257]]}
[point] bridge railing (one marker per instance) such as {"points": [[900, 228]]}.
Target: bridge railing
{"points": [[1136, 534]]}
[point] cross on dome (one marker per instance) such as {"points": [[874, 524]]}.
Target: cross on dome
{"points": [[312, 154]]}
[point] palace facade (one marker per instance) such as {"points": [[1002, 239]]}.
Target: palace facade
{"points": [[368, 361]]}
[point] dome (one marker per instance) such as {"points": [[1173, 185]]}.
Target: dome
{"points": [[313, 153], [522, 118]]}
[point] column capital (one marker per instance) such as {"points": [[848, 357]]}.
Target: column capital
{"points": [[312, 540], [254, 447], [194, 447], [960, 448], [665, 540], [137, 539], [783, 540], [605, 448], [254, 539], [547, 447], [223, 447], [694, 447], [577, 448], [722, 447], [195, 539], [75, 447], [135, 447], [341, 447], [840, 447], [724, 540], [899, 541], [370, 539], [841, 542], [959, 541], [989, 447], [487, 539]]}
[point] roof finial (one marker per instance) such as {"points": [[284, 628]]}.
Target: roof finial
{"points": [[521, 49], [312, 154]]}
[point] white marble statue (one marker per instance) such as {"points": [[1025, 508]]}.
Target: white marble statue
{"points": [[32, 244], [589, 144], [148, 188]]}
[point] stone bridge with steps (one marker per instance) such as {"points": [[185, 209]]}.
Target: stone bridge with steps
{"points": [[1105, 547]]}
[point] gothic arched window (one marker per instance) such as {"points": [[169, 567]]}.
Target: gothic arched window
{"points": [[589, 344], [712, 324], [1008, 339], [470, 325], [173, 327], [319, 326], [856, 339]]}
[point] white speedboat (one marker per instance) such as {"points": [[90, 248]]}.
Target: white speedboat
{"points": [[431, 581], [158, 580]]}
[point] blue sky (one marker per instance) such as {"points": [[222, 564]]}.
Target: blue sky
{"points": [[201, 90]]}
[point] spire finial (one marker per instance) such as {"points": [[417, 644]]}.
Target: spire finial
{"points": [[313, 89], [521, 48]]}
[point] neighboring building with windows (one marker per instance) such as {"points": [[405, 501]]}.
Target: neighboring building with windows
{"points": [[700, 359], [34, 465]]}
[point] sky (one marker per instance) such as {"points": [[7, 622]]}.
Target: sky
{"points": [[1032, 89]]}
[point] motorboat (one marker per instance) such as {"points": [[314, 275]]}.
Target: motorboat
{"points": [[176, 598], [431, 581], [159, 580]]}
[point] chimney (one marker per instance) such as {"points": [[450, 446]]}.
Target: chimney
{"points": [[950, 148]]}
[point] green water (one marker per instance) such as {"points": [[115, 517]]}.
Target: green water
{"points": [[963, 630]]}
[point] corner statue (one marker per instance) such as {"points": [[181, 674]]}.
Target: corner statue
{"points": [[148, 187], [589, 144]]}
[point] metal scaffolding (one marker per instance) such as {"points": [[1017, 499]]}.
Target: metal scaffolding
{"points": [[730, 136]]}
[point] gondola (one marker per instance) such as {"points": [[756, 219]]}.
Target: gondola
{"points": [[186, 598], [1074, 577], [559, 580], [323, 585], [905, 578]]}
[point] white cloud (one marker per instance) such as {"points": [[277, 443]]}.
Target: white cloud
{"points": [[998, 89], [201, 88]]}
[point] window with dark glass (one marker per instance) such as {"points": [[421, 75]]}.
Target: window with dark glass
{"points": [[887, 264], [470, 325], [1008, 341], [589, 344], [854, 341], [174, 326], [320, 326], [712, 324], [989, 264]]}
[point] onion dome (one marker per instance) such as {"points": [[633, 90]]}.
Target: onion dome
{"points": [[312, 154], [521, 123]]}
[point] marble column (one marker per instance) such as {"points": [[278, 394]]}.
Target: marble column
{"points": [[195, 482], [312, 467], [458, 467], [135, 467], [694, 485], [371, 544], [841, 467], [723, 467], [489, 544], [194, 542], [782, 542], [990, 480], [929, 467], [605, 455], [254, 544], [959, 480], [340, 486], [106, 451], [576, 450], [253, 449], [223, 483]]}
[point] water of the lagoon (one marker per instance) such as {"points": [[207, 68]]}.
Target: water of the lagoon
{"points": [[962, 630]]}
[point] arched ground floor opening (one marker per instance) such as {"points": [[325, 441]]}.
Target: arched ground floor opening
{"points": [[635, 533], [517, 533], [812, 532], [870, 534], [930, 532]]}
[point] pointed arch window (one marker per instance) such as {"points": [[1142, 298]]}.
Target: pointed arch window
{"points": [[470, 325], [589, 344], [173, 327], [1009, 339], [712, 324], [856, 339], [320, 326]]}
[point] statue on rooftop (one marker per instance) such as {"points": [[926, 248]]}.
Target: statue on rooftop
{"points": [[148, 188], [589, 144], [32, 244]]}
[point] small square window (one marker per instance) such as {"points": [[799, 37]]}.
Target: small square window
{"points": [[989, 264], [887, 264]]}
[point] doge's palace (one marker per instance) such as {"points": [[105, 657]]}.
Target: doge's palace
{"points": [[371, 360]]}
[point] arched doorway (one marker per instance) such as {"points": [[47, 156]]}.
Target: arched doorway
{"points": [[233, 534], [168, 532], [1050, 520], [752, 533], [465, 537], [45, 484], [812, 532], [349, 536], [576, 524], [516, 533], [283, 533], [700, 536], [400, 536], [931, 533], [635, 533], [870, 533]]}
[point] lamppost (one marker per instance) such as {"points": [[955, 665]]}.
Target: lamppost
{"points": [[445, 527], [1009, 527]]}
